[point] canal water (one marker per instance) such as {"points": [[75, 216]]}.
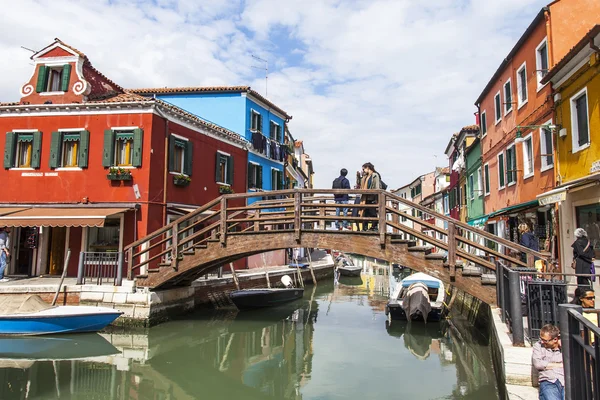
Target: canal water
{"points": [[335, 343]]}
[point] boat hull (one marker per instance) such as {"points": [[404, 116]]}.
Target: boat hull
{"points": [[350, 271], [63, 347], [396, 312], [246, 299], [67, 319]]}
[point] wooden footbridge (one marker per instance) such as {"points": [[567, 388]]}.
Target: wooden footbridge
{"points": [[235, 226]]}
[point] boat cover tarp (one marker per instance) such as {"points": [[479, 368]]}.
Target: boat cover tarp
{"points": [[416, 302], [22, 304]]}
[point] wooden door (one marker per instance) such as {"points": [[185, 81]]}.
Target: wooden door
{"points": [[58, 238]]}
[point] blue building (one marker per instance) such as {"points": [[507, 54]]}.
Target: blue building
{"points": [[246, 112]]}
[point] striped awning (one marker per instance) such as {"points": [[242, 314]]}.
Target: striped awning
{"points": [[49, 216]]}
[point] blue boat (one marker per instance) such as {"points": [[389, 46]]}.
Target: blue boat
{"points": [[35, 317], [64, 347]]}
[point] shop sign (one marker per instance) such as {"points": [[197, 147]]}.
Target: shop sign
{"points": [[595, 167], [553, 198], [39, 173]]}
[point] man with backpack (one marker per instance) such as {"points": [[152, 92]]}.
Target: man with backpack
{"points": [[341, 182]]}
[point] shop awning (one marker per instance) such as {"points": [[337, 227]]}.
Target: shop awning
{"points": [[560, 192], [48, 216], [514, 208], [11, 210], [478, 221]]}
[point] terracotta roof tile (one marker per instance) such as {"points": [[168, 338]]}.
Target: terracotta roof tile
{"points": [[211, 89], [120, 98], [469, 128]]}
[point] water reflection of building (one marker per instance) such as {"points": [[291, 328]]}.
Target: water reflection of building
{"points": [[268, 357]]}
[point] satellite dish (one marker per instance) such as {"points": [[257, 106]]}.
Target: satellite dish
{"points": [[287, 281]]}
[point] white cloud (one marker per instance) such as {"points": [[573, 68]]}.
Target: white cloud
{"points": [[386, 81]]}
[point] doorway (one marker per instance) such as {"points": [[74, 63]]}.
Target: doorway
{"points": [[27, 242], [56, 255]]}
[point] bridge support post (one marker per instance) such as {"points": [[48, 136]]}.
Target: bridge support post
{"points": [[175, 246], [223, 237], [452, 250], [516, 313], [297, 215], [382, 218], [566, 333]]}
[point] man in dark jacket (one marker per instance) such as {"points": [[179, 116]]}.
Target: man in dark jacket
{"points": [[583, 255], [341, 182]]}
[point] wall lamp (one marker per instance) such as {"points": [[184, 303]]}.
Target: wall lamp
{"points": [[519, 137]]}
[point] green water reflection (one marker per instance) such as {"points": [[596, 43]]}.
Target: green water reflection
{"points": [[335, 343]]}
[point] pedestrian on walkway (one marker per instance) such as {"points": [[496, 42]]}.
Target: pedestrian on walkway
{"points": [[4, 252], [370, 180], [547, 359], [341, 182], [583, 257]]}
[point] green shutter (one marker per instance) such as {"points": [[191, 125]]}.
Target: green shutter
{"points": [[259, 178], [42, 79], [260, 123], [138, 135], [84, 144], [171, 153], [108, 157], [273, 179], [230, 170], [55, 149], [9, 150], [217, 161], [36, 151], [188, 158], [250, 174], [66, 77]]}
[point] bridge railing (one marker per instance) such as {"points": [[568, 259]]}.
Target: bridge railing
{"points": [[303, 210]]}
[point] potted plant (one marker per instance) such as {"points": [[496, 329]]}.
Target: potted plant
{"points": [[225, 189], [119, 174], [181, 180]]}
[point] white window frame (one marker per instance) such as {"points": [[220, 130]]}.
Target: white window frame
{"points": [[480, 187], [472, 187], [540, 74], [496, 113], [182, 158], [255, 176], [252, 112], [574, 122], [503, 167], [521, 102], [530, 174], [226, 168], [506, 104], [514, 155], [487, 192], [483, 123], [546, 167]]}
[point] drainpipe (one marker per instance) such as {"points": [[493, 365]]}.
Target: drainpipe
{"points": [[549, 40], [593, 46], [166, 161]]}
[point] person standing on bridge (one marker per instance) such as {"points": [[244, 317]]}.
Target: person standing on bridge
{"points": [[583, 257], [547, 359], [341, 182], [370, 180]]}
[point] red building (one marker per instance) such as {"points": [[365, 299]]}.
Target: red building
{"points": [[91, 168]]}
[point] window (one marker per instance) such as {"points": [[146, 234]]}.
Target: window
{"points": [[22, 149], [498, 107], [546, 147], [541, 61], [254, 176], [479, 183], [579, 121], [522, 85], [275, 132], [53, 78], [255, 121], [501, 175], [483, 124], [69, 148], [511, 165], [527, 157], [471, 187], [122, 147], [486, 172], [224, 168], [507, 97], [180, 155], [276, 179], [446, 204]]}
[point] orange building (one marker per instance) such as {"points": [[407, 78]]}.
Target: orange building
{"points": [[516, 121]]}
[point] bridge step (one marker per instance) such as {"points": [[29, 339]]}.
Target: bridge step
{"points": [[435, 256], [188, 252], [488, 279], [471, 271], [163, 264], [409, 243], [422, 249], [200, 246], [457, 264]]}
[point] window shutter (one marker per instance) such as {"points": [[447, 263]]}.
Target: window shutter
{"points": [[108, 157], [260, 127], [188, 159], [250, 174], [259, 177], [42, 79], [84, 144], [36, 149], [138, 135], [55, 148], [66, 77], [217, 161], [9, 150], [171, 153], [230, 170]]}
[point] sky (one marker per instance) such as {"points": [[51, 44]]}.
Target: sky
{"points": [[381, 81]]}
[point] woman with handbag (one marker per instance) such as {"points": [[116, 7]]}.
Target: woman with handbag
{"points": [[583, 257]]}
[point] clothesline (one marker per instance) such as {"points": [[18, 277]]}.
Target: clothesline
{"points": [[271, 148]]}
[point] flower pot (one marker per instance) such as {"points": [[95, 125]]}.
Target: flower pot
{"points": [[119, 177], [181, 181]]}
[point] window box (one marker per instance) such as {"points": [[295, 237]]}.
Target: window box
{"points": [[119, 174], [181, 180], [225, 189]]}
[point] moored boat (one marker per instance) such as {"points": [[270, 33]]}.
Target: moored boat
{"points": [[245, 299], [417, 297], [346, 267]]}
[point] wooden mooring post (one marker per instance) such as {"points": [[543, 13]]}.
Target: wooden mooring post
{"points": [[235, 278], [312, 272]]}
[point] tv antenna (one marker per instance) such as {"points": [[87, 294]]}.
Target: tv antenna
{"points": [[28, 49], [266, 69]]}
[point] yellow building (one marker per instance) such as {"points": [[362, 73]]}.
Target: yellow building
{"points": [[575, 142]]}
